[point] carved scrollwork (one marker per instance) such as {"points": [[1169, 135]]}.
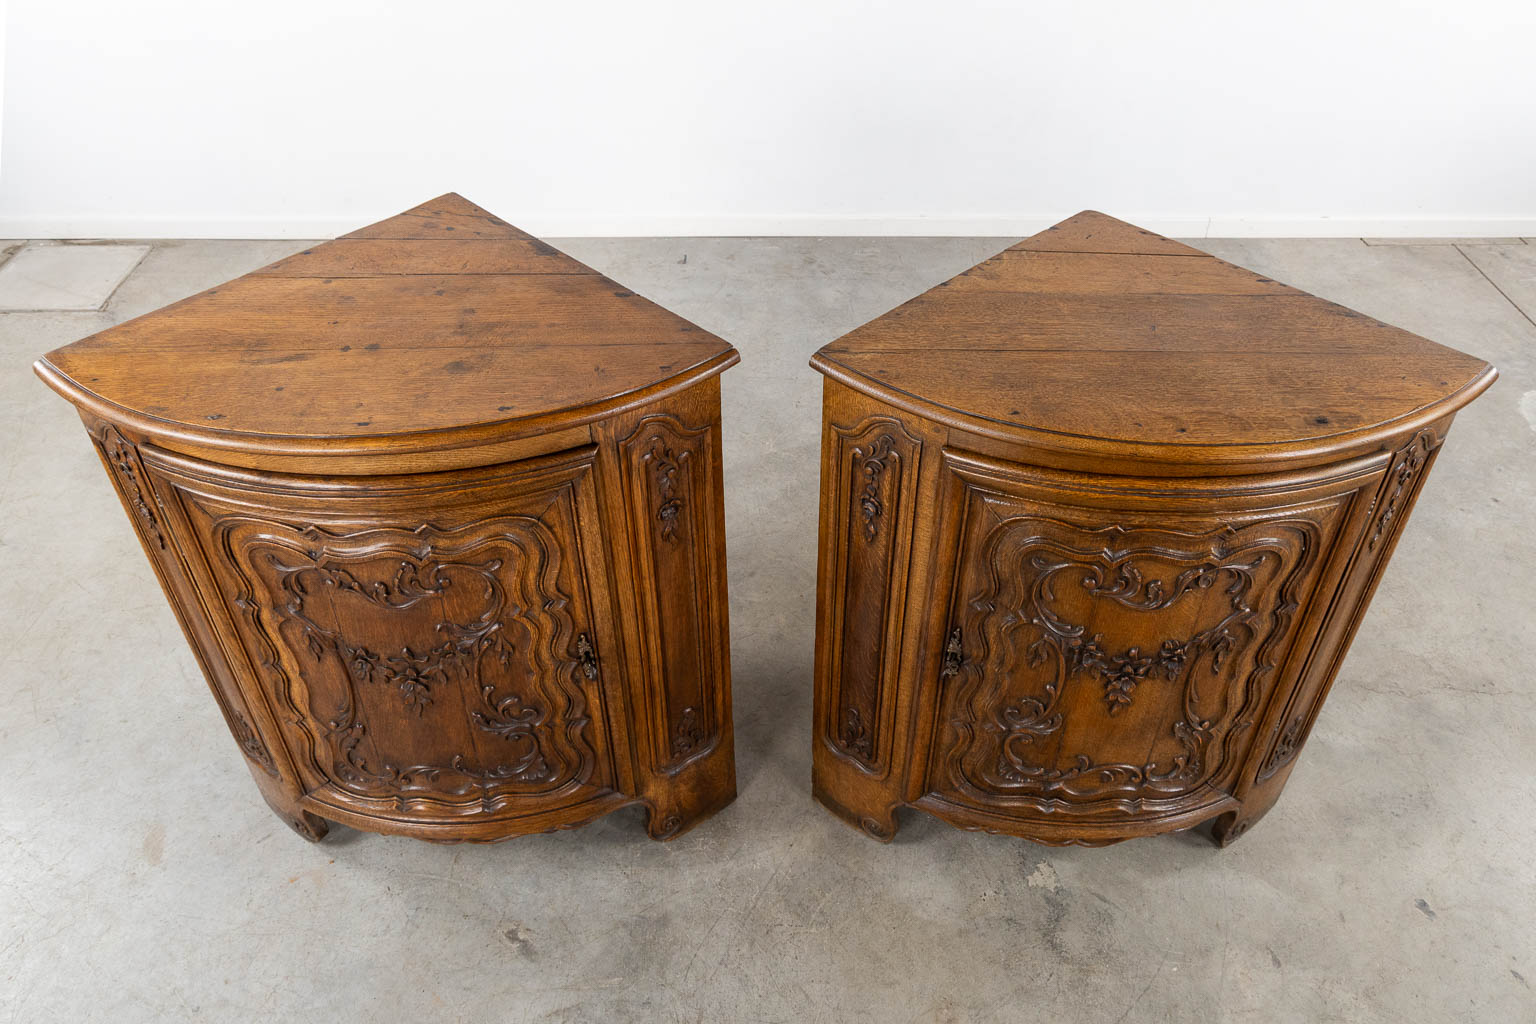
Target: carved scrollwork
{"points": [[1407, 463], [456, 662], [664, 474], [875, 490], [488, 596], [1286, 745], [1019, 620], [123, 458], [873, 463], [1121, 673], [250, 743], [687, 735], [853, 736], [669, 468]]}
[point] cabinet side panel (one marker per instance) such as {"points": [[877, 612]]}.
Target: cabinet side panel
{"points": [[669, 459], [249, 725], [1385, 519], [874, 481]]}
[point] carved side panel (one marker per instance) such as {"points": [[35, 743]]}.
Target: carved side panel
{"points": [[671, 506], [1389, 509], [875, 487], [1101, 665], [1402, 484], [426, 646], [123, 460], [139, 498]]}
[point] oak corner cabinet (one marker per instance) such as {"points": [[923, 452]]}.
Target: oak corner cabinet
{"points": [[1099, 518], [439, 511]]}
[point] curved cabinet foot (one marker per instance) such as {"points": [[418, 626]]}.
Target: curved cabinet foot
{"points": [[676, 802], [878, 821], [308, 825], [1228, 828], [665, 820]]}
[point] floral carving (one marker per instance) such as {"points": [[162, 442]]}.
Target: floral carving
{"points": [[669, 466], [1029, 562], [125, 462], [504, 621], [1410, 460], [853, 736], [664, 474], [415, 675], [876, 489], [412, 674], [250, 743], [1286, 746], [873, 462], [687, 735], [1122, 673]]}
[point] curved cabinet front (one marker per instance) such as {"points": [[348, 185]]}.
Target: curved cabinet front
{"points": [[1111, 647], [427, 648], [464, 655], [1075, 657]]}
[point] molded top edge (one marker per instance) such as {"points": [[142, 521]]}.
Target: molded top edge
{"points": [[1097, 340], [438, 328]]}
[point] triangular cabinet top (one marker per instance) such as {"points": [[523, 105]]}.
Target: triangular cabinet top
{"points": [[442, 327], [1104, 345]]}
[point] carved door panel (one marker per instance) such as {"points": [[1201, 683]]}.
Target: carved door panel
{"points": [[1116, 654], [427, 643]]}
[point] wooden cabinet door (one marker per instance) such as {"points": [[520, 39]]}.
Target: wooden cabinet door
{"points": [[428, 645], [1112, 643]]}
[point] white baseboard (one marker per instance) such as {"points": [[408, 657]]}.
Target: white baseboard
{"points": [[791, 225]]}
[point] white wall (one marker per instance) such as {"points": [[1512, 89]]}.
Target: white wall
{"points": [[298, 119]]}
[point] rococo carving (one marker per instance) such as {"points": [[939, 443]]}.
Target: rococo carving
{"points": [[669, 502], [873, 463], [687, 736], [1029, 562], [1285, 748], [250, 743], [1408, 461], [668, 463], [1122, 673], [876, 461], [517, 628], [853, 736], [124, 461]]}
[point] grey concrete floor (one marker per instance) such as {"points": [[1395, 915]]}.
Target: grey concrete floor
{"points": [[143, 878]]}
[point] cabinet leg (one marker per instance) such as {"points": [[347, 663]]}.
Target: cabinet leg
{"points": [[876, 820], [1228, 828], [310, 826], [674, 804]]}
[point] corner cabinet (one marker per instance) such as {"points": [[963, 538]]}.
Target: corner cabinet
{"points": [[1082, 646], [450, 637]]}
